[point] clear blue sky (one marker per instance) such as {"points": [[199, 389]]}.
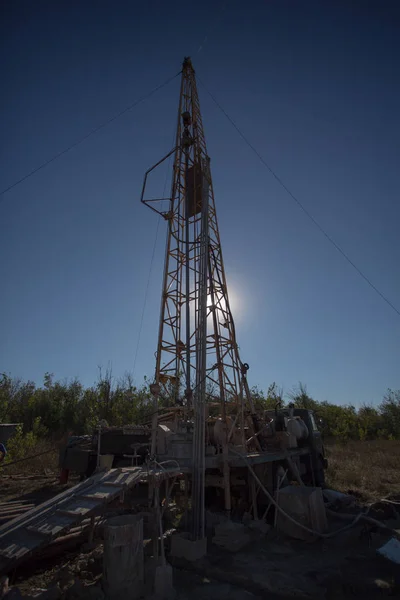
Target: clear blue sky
{"points": [[313, 85]]}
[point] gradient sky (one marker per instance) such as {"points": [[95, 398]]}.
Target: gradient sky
{"points": [[313, 85]]}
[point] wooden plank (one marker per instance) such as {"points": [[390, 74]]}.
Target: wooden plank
{"points": [[12, 502], [124, 474], [50, 504], [14, 507], [21, 543], [132, 478], [115, 479], [125, 480], [11, 514], [78, 507], [39, 526], [111, 484], [48, 530], [102, 492], [52, 525]]}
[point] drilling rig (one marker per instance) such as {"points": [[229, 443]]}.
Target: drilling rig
{"points": [[197, 353], [204, 421], [205, 431], [199, 376]]}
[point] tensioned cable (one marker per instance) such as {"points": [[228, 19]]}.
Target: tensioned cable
{"points": [[303, 208], [151, 265], [85, 137], [145, 297], [114, 117]]}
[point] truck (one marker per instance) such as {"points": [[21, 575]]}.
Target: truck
{"points": [[290, 446]]}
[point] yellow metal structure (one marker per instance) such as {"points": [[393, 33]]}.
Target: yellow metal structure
{"points": [[197, 360], [177, 360]]}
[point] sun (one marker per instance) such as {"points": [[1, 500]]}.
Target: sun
{"points": [[234, 302]]}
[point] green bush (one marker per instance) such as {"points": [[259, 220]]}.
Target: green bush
{"points": [[51, 410], [21, 445]]}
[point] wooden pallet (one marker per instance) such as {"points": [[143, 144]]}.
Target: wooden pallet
{"points": [[36, 528]]}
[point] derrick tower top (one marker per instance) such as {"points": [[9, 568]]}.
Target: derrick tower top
{"points": [[196, 338]]}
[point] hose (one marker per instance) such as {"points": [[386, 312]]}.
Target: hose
{"points": [[387, 501], [369, 520], [304, 527]]}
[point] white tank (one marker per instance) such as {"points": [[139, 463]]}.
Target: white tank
{"points": [[297, 427], [221, 430]]}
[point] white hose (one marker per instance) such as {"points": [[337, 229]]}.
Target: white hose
{"points": [[165, 462], [387, 501], [273, 501]]}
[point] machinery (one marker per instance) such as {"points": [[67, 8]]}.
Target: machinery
{"points": [[107, 447], [208, 425], [130, 445]]}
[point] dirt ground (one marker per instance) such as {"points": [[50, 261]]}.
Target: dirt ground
{"points": [[345, 566], [37, 489], [270, 566]]}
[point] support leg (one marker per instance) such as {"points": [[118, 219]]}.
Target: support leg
{"points": [[91, 530], [227, 483], [254, 498]]}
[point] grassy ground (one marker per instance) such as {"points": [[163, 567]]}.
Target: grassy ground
{"points": [[29, 461], [31, 474], [370, 469]]}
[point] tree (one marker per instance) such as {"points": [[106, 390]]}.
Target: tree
{"points": [[301, 399], [390, 412], [370, 423], [57, 407]]}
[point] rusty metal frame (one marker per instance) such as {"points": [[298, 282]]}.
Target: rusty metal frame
{"points": [[148, 201], [176, 351], [190, 355]]}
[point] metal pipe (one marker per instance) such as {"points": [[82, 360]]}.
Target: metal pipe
{"points": [[201, 371], [187, 272]]}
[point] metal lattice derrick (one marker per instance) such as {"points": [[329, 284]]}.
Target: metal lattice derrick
{"points": [[179, 331], [197, 345]]}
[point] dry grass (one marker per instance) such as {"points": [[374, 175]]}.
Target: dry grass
{"points": [[32, 464], [371, 469], [31, 474]]}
